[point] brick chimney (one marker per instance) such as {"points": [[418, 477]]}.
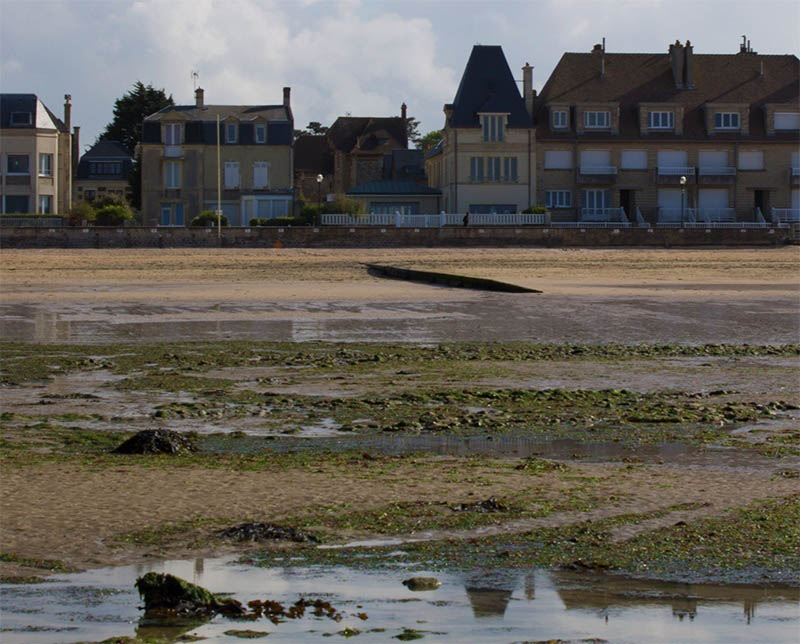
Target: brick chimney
{"points": [[688, 81], [198, 97], [404, 116], [527, 88], [76, 149], [287, 92], [68, 111], [677, 58]]}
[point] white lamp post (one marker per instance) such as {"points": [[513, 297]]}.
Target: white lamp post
{"points": [[683, 199], [319, 198]]}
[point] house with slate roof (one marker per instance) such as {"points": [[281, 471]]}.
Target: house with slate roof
{"points": [[179, 161], [37, 151], [103, 171], [485, 162], [670, 136]]}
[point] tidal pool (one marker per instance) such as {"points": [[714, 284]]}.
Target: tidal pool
{"points": [[470, 606]]}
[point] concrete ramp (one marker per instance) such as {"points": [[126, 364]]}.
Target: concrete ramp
{"points": [[446, 279]]}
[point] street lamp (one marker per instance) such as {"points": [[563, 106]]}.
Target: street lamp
{"points": [[319, 198], [683, 199]]}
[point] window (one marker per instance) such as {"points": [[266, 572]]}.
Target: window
{"points": [[597, 119], [558, 199], [661, 120], [172, 177], [260, 175], [510, 169], [634, 160], [45, 204], [45, 165], [112, 168], [493, 128], [21, 118], [726, 120], [558, 159], [787, 120], [493, 169], [18, 164], [231, 174], [596, 199], [261, 133], [16, 204], [559, 119], [476, 169], [172, 134], [230, 132], [172, 214], [392, 208], [751, 160]]}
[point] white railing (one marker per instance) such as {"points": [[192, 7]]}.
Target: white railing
{"points": [[598, 169], [674, 170], [420, 221], [358, 220], [510, 219], [795, 172], [716, 214], [591, 224], [172, 151], [603, 214], [720, 171], [712, 224], [640, 220], [760, 216], [436, 221], [676, 215], [786, 215]]}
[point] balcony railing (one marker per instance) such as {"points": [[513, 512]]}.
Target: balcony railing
{"points": [[173, 151], [716, 214], [795, 172], [677, 215], [785, 215], [717, 171], [674, 171], [603, 214], [598, 169]]}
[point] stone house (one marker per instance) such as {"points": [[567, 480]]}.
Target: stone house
{"points": [[180, 172], [103, 171], [37, 156]]}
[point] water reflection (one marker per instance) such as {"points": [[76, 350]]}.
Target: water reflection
{"points": [[472, 606]]}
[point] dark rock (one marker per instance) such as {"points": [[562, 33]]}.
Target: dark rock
{"points": [[422, 583], [489, 505], [156, 441], [168, 594], [265, 532]]}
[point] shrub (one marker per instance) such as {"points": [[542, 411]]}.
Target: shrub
{"points": [[208, 218], [113, 215], [279, 221], [343, 206], [538, 210], [81, 211]]}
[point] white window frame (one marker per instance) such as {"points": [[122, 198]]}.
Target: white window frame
{"points": [[476, 169], [172, 175], [260, 165], [45, 164], [262, 129], [558, 198], [45, 204], [733, 120], [172, 133], [661, 120], [231, 132], [231, 165], [597, 119], [493, 169], [559, 119], [510, 169], [493, 128]]}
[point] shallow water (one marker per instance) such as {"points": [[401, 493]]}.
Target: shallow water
{"points": [[471, 606]]}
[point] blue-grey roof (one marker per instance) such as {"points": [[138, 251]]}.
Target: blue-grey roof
{"points": [[488, 86], [106, 149], [26, 103], [386, 187]]}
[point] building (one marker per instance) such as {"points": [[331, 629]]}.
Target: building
{"points": [[180, 170], [485, 161], [103, 171], [313, 157], [36, 156], [669, 137]]}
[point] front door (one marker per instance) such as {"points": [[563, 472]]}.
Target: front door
{"points": [[627, 200], [761, 201]]}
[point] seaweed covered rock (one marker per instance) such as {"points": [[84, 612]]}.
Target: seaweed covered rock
{"points": [[156, 441], [164, 593], [489, 505], [422, 583], [265, 532]]}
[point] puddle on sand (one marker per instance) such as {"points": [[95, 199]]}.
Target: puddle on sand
{"points": [[470, 606]]}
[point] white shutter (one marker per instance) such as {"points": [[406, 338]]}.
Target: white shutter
{"points": [[796, 159], [231, 174], [796, 199], [713, 159], [558, 159], [634, 159], [712, 198], [260, 175], [787, 120], [672, 159], [595, 158], [669, 198], [751, 160]]}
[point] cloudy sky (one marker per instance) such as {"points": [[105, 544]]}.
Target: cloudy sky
{"points": [[364, 57]]}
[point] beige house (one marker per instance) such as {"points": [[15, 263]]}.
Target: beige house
{"points": [[180, 170], [36, 156], [485, 162], [103, 172], [670, 137]]}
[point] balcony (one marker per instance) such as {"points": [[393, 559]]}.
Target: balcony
{"points": [[671, 175], [794, 176], [785, 215], [716, 175], [597, 174], [173, 151], [604, 215]]}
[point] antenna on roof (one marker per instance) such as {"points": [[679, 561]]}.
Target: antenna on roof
{"points": [[603, 59], [195, 78]]}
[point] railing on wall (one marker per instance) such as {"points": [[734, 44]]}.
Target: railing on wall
{"points": [[785, 215], [437, 221]]}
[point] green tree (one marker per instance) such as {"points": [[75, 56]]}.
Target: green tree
{"points": [[412, 130], [130, 111], [425, 143]]}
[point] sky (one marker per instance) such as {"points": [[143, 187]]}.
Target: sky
{"points": [[358, 57]]}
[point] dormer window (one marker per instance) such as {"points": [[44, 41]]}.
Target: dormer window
{"points": [[597, 120], [726, 120], [21, 118], [172, 134], [231, 132], [261, 133], [559, 119], [493, 127], [661, 121]]}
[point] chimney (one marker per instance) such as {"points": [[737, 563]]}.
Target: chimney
{"points": [[676, 55], [527, 87], [287, 91], [76, 149], [198, 97], [68, 111], [688, 81], [404, 116]]}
